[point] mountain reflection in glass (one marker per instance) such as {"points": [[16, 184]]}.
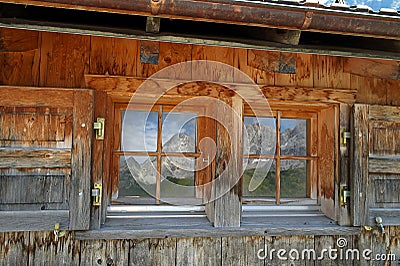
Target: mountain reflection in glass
{"points": [[293, 178], [177, 177], [139, 131], [179, 132], [293, 137], [137, 176], [261, 135]]}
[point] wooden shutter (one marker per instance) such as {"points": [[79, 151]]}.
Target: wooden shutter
{"points": [[45, 152], [375, 169]]}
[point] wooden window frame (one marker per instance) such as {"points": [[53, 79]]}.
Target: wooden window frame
{"points": [[160, 108], [311, 157]]}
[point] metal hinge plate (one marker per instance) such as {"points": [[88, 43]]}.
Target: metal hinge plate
{"points": [[96, 194], [99, 127], [344, 195]]}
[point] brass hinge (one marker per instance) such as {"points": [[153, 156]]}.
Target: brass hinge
{"points": [[344, 195], [96, 194], [99, 127], [344, 135]]}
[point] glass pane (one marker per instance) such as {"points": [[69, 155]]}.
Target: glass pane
{"points": [[259, 178], [261, 135], [139, 131], [293, 178], [179, 132], [293, 136], [177, 177], [137, 176]]}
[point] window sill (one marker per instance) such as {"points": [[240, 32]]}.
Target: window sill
{"points": [[178, 227]]}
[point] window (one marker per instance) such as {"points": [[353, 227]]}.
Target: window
{"points": [[280, 158], [156, 156]]}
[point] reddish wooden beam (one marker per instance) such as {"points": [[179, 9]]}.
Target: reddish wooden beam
{"points": [[245, 13]]}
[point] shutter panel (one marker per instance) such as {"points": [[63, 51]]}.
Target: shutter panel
{"points": [[45, 151], [375, 169]]}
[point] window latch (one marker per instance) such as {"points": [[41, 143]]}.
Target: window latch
{"points": [[99, 127], [344, 195], [96, 194], [344, 135]]}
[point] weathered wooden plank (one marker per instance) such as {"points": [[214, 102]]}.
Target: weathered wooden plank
{"points": [[308, 94], [198, 251], [64, 60], [248, 247], [20, 68], [259, 76], [169, 54], [45, 250], [286, 75], [153, 252], [31, 158], [385, 113], [213, 71], [227, 204], [374, 241], [93, 252], [81, 160], [14, 248], [14, 40], [369, 90], [383, 69], [111, 56], [393, 93], [29, 96], [304, 70], [389, 166], [117, 252], [328, 72], [128, 85], [32, 189], [15, 221], [385, 188], [327, 160], [390, 216], [267, 61], [359, 166]]}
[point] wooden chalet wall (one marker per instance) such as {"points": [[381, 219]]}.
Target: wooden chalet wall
{"points": [[42, 59]]}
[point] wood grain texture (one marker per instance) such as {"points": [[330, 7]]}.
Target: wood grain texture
{"points": [[385, 114], [81, 161], [383, 69], [45, 250], [388, 166], [15, 221], [393, 93], [249, 247], [20, 68], [359, 166], [64, 60], [198, 251], [370, 90], [329, 72], [110, 56], [31, 158], [14, 248], [153, 252], [14, 40]]}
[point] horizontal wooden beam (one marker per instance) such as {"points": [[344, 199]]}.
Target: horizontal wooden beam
{"points": [[383, 69], [32, 158], [128, 85], [242, 12], [387, 166], [14, 221]]}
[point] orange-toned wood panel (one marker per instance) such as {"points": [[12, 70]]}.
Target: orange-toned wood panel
{"points": [[212, 71], [19, 57], [112, 56], [170, 54], [329, 72], [393, 92], [387, 69], [248, 61], [370, 90], [64, 60]]}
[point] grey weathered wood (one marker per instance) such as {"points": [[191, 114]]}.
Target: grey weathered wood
{"points": [[390, 216], [14, 248], [385, 191], [198, 251], [248, 246], [32, 189], [93, 252], [153, 252], [13, 221], [359, 167], [81, 160], [389, 166], [227, 205], [32, 158], [117, 252], [45, 250]]}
